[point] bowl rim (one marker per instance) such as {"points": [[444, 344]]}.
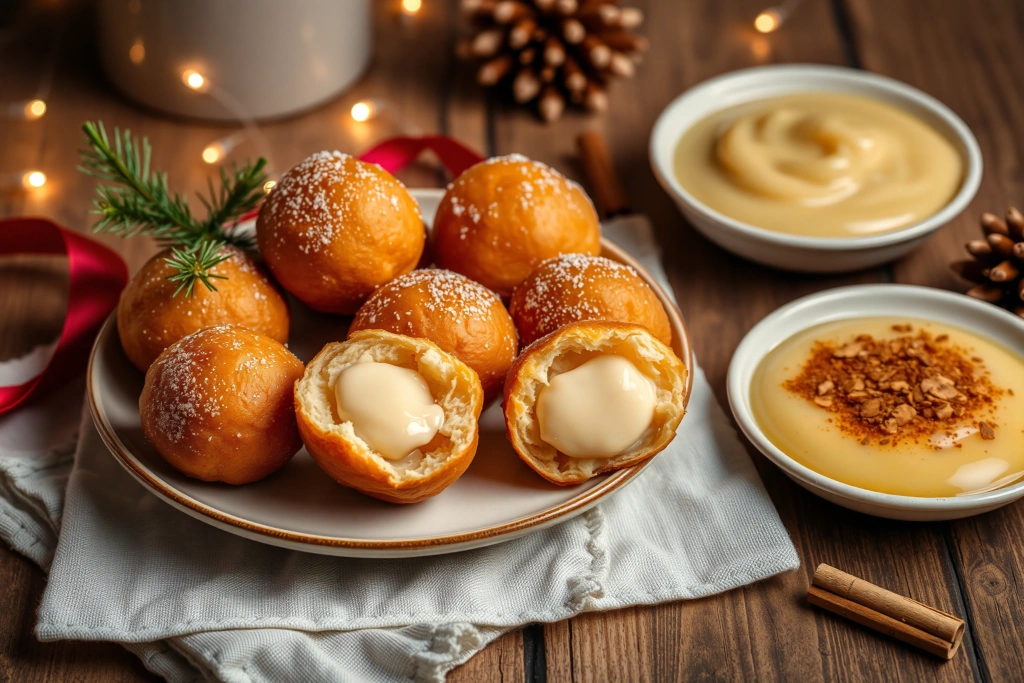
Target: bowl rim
{"points": [[843, 77], [752, 350]]}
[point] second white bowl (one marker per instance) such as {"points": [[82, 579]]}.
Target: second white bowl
{"points": [[797, 252], [867, 301]]}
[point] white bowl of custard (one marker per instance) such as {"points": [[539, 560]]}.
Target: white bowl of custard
{"points": [[925, 479], [814, 168]]}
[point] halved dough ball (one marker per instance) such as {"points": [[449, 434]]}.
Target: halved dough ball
{"points": [[575, 287], [461, 316], [150, 318], [217, 405], [335, 228], [502, 217], [625, 384], [340, 443]]}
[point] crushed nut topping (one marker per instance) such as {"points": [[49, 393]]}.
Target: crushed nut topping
{"points": [[909, 387]]}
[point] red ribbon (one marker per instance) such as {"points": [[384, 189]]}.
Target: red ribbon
{"points": [[96, 275], [395, 154]]}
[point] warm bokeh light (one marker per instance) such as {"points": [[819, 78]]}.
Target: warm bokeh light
{"points": [[34, 179], [269, 185], [411, 6], [137, 53], [34, 109], [363, 111], [213, 152], [193, 79], [768, 20]]}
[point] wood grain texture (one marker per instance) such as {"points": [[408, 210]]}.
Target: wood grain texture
{"points": [[967, 54]]}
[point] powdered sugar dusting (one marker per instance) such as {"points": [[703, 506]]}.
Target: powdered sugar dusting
{"points": [[325, 194], [449, 295], [539, 182], [188, 392], [558, 291]]}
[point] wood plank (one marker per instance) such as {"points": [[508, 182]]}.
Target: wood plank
{"points": [[967, 54], [502, 660], [765, 630]]}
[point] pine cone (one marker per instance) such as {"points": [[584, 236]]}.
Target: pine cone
{"points": [[553, 52], [997, 262]]}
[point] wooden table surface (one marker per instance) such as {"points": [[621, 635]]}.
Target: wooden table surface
{"points": [[967, 54]]}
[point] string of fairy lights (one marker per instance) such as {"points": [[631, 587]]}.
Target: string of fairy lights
{"points": [[767, 21]]}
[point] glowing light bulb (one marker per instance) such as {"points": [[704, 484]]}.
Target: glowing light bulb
{"points": [[137, 53], [34, 109], [217, 150], [269, 185], [34, 179], [213, 152], [193, 79], [363, 111], [768, 20], [411, 6]]}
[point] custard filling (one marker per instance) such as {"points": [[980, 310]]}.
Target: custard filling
{"points": [[390, 407], [819, 164], [599, 409]]}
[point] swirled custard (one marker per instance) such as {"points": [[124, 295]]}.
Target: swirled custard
{"points": [[819, 164]]}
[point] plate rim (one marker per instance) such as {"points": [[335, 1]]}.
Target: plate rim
{"points": [[393, 547]]}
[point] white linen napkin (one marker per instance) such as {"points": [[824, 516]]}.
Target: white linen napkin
{"points": [[195, 602]]}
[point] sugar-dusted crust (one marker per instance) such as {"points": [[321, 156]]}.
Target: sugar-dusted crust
{"points": [[217, 405], [348, 459], [461, 316], [150, 318], [575, 287], [566, 349], [502, 217], [336, 228]]}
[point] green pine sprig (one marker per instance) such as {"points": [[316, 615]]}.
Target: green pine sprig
{"points": [[132, 199], [194, 265]]}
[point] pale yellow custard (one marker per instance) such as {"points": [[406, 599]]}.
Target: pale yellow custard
{"points": [[819, 164], [954, 460], [597, 410], [390, 408]]}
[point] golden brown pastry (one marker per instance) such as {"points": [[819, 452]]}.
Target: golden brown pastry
{"points": [[502, 217], [461, 316], [217, 405], [336, 228], [394, 417], [575, 287], [150, 318], [592, 397]]}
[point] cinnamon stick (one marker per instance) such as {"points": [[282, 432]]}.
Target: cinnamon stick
{"points": [[604, 182], [886, 612]]}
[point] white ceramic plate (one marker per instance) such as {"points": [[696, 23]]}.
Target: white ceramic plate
{"points": [[854, 302], [497, 499]]}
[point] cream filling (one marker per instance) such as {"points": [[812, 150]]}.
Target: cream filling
{"points": [[390, 407], [597, 410]]}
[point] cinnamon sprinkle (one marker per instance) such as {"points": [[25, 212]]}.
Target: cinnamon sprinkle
{"points": [[908, 387]]}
